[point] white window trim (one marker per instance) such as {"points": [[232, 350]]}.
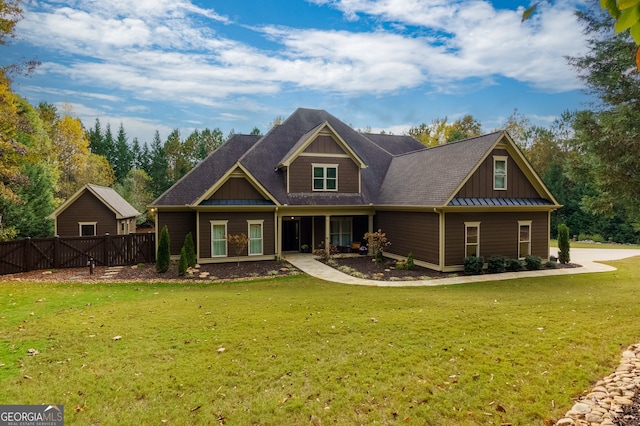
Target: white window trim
{"points": [[497, 158], [468, 225], [342, 220], [95, 228], [226, 245], [520, 224], [324, 179], [255, 222]]}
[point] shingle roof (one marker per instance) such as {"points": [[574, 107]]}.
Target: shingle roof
{"points": [[399, 169], [429, 177], [195, 183], [114, 201]]}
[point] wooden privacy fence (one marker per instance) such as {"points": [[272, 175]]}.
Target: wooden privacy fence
{"points": [[74, 252]]}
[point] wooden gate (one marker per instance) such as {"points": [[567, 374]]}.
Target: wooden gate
{"points": [[74, 252]]}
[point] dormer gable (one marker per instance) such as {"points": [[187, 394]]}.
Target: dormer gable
{"points": [[237, 187], [324, 141]]}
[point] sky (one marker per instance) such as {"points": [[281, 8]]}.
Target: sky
{"points": [[238, 64]]}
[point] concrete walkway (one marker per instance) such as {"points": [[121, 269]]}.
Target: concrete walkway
{"points": [[588, 258]]}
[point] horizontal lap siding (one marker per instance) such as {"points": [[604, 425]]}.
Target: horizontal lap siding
{"points": [[301, 174], [237, 189], [237, 224], [414, 232], [179, 224], [87, 208], [498, 234]]}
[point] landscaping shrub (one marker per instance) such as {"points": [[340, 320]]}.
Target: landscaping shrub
{"points": [[190, 250], [473, 265], [513, 265], [496, 265], [563, 244], [164, 257], [549, 264], [532, 263], [183, 265], [409, 264]]}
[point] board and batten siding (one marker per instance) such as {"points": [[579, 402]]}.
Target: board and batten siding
{"points": [[480, 184], [87, 208], [300, 174], [237, 224], [499, 234], [324, 144], [237, 189], [179, 225], [411, 232]]}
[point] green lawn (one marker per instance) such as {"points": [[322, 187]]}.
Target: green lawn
{"points": [[298, 350]]}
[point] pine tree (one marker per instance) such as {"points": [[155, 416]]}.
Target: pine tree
{"points": [[563, 244], [123, 157], [190, 250], [96, 139], [158, 167]]}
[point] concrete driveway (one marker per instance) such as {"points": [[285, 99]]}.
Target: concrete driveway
{"points": [[587, 257]]}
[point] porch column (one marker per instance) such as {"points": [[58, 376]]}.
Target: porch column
{"points": [[327, 234], [370, 222], [278, 235]]}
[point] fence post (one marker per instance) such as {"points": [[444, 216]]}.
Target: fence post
{"points": [[56, 252], [26, 253], [107, 259]]}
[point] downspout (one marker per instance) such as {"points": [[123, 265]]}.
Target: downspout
{"points": [[276, 227]]}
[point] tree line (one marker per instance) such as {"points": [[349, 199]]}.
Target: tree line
{"points": [[589, 159]]}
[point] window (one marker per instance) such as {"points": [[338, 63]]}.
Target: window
{"points": [[499, 172], [325, 177], [472, 239], [218, 238], [87, 229], [255, 237], [340, 231], [524, 238]]}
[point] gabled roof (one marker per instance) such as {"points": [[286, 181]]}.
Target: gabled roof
{"points": [[108, 196], [199, 180], [309, 137], [394, 170], [432, 175]]}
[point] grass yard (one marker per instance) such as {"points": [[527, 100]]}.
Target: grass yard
{"points": [[298, 350]]}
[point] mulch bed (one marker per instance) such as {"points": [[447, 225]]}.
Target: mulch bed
{"points": [[385, 271], [148, 273]]}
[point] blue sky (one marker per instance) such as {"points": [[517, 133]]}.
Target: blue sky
{"points": [[379, 64]]}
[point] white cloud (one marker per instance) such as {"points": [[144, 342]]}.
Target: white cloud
{"points": [[167, 50]]}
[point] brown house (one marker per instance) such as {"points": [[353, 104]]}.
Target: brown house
{"points": [[94, 210], [314, 181]]}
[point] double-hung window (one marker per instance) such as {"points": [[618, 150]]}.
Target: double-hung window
{"points": [[255, 237], [524, 238], [499, 173], [218, 238], [325, 177], [472, 239]]}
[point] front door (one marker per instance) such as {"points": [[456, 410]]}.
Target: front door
{"points": [[290, 235]]}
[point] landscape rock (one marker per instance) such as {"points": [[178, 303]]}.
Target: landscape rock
{"points": [[614, 400]]}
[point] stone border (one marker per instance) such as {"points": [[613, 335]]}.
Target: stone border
{"points": [[603, 405]]}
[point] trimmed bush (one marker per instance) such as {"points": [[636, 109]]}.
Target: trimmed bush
{"points": [[190, 251], [496, 265], [473, 265], [532, 263], [183, 265], [513, 265], [563, 244], [163, 259], [549, 264]]}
